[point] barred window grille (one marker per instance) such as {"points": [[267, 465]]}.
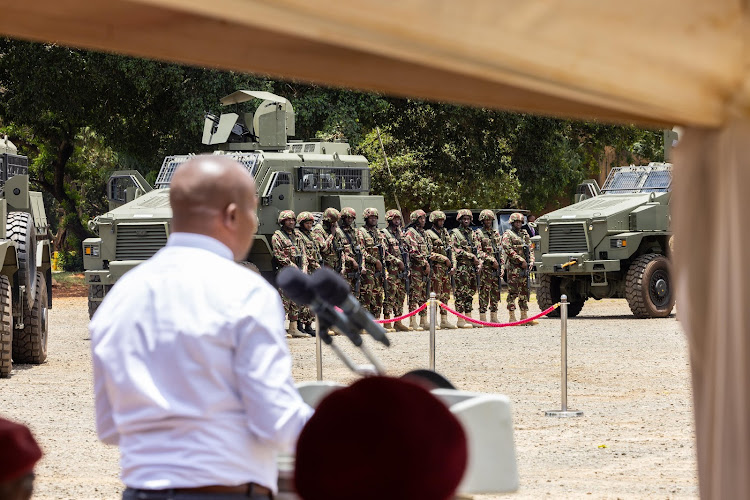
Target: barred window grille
{"points": [[251, 161], [333, 179], [640, 179], [11, 165]]}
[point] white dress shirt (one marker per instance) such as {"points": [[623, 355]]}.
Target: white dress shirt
{"points": [[192, 373]]}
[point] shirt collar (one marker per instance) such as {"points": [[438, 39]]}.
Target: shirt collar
{"points": [[194, 240]]}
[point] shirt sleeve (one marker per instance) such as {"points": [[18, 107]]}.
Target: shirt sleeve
{"points": [[105, 424], [275, 410]]}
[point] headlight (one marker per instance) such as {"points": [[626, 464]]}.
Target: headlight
{"points": [[618, 243]]}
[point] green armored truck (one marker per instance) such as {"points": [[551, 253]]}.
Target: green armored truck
{"points": [[290, 175], [614, 243], [26, 275]]}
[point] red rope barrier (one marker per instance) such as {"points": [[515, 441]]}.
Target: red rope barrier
{"points": [[500, 325], [407, 315]]}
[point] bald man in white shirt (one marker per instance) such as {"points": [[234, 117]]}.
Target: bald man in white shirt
{"points": [[192, 373]]}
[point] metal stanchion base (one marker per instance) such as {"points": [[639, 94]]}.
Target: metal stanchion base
{"points": [[563, 413]]}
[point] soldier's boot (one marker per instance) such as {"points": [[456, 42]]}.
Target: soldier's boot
{"points": [[444, 325], [512, 316], [413, 323], [294, 331], [310, 330], [525, 315], [493, 317], [462, 323], [424, 324], [482, 317], [400, 327], [389, 327]]}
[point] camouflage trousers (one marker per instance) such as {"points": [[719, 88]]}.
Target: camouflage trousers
{"points": [[395, 293], [290, 308], [518, 287], [371, 292], [306, 314], [466, 286], [351, 278], [489, 290], [418, 290], [441, 285]]}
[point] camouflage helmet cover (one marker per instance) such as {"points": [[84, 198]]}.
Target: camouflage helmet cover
{"points": [[348, 212], [417, 214], [305, 216], [514, 217], [286, 214], [487, 215], [369, 212], [392, 214], [331, 215], [436, 215], [462, 212]]}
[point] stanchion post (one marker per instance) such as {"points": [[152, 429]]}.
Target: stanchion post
{"points": [[563, 411], [433, 327], [318, 349]]}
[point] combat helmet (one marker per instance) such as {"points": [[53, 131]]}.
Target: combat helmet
{"points": [[369, 212], [487, 215], [286, 214], [305, 216], [417, 214], [437, 215], [331, 215], [348, 212], [462, 212], [514, 217], [391, 214]]}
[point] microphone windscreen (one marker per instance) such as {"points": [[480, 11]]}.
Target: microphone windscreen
{"points": [[296, 285], [329, 286]]}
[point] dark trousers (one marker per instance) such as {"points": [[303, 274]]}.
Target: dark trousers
{"points": [[133, 494]]}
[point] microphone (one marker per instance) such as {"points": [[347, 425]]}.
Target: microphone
{"points": [[332, 288]]}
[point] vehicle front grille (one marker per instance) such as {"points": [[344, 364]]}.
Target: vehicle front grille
{"points": [[139, 241], [567, 238]]}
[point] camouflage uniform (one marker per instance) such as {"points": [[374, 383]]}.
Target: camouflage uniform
{"points": [[396, 280], [441, 259], [371, 243], [332, 242], [312, 258], [513, 243], [351, 247], [419, 254], [489, 247], [288, 251], [466, 275]]}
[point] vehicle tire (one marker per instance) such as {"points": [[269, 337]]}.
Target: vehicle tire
{"points": [[548, 294], [648, 286], [574, 307], [30, 345], [20, 229], [96, 292], [6, 327]]}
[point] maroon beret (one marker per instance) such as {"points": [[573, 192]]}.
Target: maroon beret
{"points": [[380, 438], [19, 451]]}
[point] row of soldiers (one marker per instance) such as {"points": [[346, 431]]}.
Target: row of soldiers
{"points": [[385, 267]]}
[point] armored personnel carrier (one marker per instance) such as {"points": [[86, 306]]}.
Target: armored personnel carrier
{"points": [[615, 243], [26, 274], [290, 175]]}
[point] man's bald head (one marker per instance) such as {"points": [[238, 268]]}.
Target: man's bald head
{"points": [[215, 196]]}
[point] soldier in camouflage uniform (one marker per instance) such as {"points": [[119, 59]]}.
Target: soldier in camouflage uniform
{"points": [[516, 266], [352, 267], [313, 261], [467, 265], [419, 266], [396, 262], [442, 263], [331, 240], [489, 247], [371, 242], [288, 251]]}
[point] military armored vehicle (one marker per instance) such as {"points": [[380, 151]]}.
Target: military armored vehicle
{"points": [[26, 274], [290, 175], [614, 243]]}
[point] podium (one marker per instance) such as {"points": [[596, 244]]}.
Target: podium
{"points": [[488, 425]]}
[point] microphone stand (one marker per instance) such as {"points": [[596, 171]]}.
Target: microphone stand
{"points": [[376, 368]]}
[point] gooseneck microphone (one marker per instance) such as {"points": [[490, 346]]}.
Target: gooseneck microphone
{"points": [[332, 288]]}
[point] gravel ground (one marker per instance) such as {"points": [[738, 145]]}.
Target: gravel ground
{"points": [[630, 378]]}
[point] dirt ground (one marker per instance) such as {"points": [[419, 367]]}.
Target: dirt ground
{"points": [[630, 378]]}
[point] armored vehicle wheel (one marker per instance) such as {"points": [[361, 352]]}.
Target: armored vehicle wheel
{"points": [[30, 345], [20, 229], [96, 292], [6, 327], [548, 294], [648, 287]]}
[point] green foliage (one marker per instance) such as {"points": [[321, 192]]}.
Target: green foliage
{"points": [[71, 261]]}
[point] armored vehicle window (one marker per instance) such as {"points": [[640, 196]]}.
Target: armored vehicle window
{"points": [[659, 181], [333, 179], [251, 161], [639, 179], [11, 165]]}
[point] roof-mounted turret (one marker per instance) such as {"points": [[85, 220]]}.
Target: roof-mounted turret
{"points": [[266, 129]]}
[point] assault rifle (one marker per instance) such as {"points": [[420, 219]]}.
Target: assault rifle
{"points": [[499, 271], [381, 253], [357, 275], [405, 273], [474, 251], [449, 254], [527, 272]]}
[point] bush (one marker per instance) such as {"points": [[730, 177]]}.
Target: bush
{"points": [[70, 261]]}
